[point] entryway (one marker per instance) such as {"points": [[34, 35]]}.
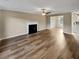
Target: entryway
{"points": [[56, 22]]}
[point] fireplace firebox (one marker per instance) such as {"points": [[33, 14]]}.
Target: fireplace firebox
{"points": [[32, 28]]}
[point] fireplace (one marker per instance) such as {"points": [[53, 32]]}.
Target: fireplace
{"points": [[32, 28]]}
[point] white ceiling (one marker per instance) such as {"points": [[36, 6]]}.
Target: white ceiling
{"points": [[32, 5]]}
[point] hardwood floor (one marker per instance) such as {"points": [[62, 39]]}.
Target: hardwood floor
{"points": [[47, 44]]}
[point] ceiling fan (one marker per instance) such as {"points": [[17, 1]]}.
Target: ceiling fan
{"points": [[45, 11]]}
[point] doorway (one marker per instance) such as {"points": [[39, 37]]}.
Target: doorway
{"points": [[56, 22]]}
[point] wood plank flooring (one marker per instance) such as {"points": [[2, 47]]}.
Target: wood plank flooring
{"points": [[47, 44]]}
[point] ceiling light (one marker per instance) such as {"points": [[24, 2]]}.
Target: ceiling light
{"points": [[43, 14]]}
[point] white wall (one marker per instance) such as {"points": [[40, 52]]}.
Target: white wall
{"points": [[75, 18], [15, 23]]}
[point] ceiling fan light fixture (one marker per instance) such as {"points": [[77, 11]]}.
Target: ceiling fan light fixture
{"points": [[45, 11], [43, 14]]}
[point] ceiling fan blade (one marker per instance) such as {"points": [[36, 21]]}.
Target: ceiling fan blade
{"points": [[48, 12]]}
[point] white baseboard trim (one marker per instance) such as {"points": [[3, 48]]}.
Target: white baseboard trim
{"points": [[13, 36], [68, 33]]}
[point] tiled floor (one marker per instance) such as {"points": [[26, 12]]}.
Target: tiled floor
{"points": [[47, 44]]}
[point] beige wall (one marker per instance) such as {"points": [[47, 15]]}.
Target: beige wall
{"points": [[2, 24], [67, 23], [15, 23]]}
